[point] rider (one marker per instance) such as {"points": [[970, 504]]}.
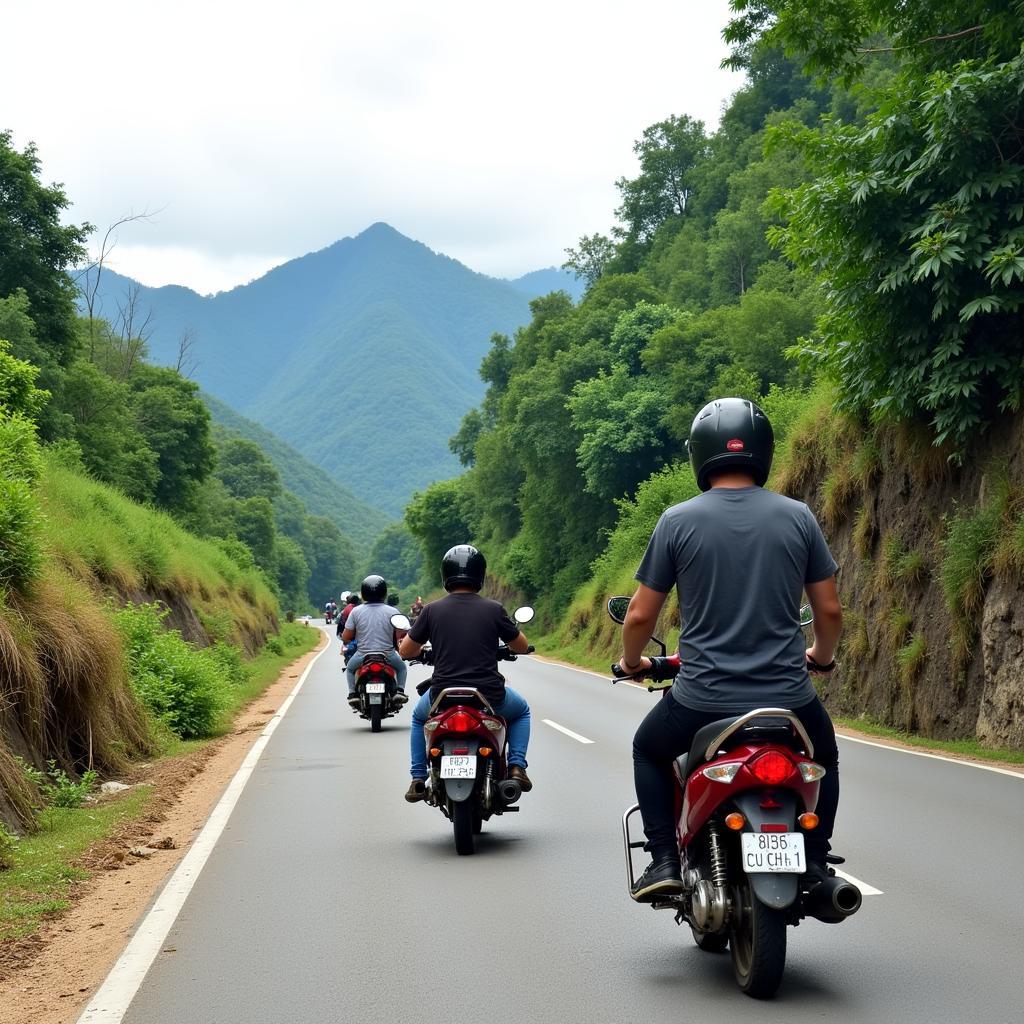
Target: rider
{"points": [[464, 630], [739, 557], [370, 626]]}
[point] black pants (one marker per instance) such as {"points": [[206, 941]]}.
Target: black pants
{"points": [[668, 731]]}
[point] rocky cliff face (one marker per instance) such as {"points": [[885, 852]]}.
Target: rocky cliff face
{"points": [[932, 574]]}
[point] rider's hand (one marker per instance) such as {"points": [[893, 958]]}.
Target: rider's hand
{"points": [[813, 656], [633, 670]]}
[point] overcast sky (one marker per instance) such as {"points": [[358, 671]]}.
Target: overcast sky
{"points": [[493, 132]]}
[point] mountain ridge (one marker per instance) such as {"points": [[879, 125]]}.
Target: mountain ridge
{"points": [[362, 355]]}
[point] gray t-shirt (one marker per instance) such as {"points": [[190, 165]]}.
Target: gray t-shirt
{"points": [[371, 624], [739, 559]]}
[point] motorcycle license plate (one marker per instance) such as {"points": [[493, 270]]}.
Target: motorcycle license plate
{"points": [[374, 687], [773, 852], [376, 698], [458, 767]]}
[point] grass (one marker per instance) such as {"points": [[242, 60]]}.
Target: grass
{"points": [[44, 871], [963, 748], [40, 882]]}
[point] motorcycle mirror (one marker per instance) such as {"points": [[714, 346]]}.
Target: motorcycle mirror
{"points": [[400, 621], [523, 614], [617, 608], [806, 615]]}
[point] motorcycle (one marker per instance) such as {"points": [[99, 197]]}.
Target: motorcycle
{"points": [[467, 748], [745, 798], [376, 687], [328, 616]]}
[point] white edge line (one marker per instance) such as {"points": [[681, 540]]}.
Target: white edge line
{"points": [[934, 757], [114, 996], [865, 889], [568, 732]]}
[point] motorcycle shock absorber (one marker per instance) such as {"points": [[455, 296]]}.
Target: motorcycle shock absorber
{"points": [[719, 869], [488, 782]]}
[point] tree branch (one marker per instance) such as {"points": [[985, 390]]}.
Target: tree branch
{"points": [[921, 42]]}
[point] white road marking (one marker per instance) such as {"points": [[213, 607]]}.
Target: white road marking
{"points": [[568, 732], [935, 757], [111, 1001], [865, 889]]}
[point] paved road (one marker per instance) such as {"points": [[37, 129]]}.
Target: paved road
{"points": [[329, 899]]}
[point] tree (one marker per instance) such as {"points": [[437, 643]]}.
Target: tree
{"points": [[438, 518], [36, 250], [397, 557], [668, 152], [590, 259], [246, 471]]}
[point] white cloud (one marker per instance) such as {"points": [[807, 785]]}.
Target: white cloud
{"points": [[491, 132]]}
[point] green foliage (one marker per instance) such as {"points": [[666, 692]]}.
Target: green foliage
{"points": [[397, 557], [184, 688], [36, 251], [438, 518], [8, 847], [968, 550], [60, 790], [911, 658]]}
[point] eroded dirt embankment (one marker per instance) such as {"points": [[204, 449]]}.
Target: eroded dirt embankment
{"points": [[49, 977]]}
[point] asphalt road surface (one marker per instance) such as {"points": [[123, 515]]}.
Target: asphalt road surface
{"points": [[329, 899]]}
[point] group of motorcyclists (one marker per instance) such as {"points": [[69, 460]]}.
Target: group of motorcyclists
{"points": [[739, 558]]}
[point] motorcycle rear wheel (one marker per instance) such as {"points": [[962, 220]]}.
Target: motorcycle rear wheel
{"points": [[710, 942], [375, 713], [462, 823], [757, 941]]}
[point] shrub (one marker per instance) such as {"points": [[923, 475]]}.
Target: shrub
{"points": [[273, 645], [60, 790], [184, 688], [228, 660], [8, 847]]}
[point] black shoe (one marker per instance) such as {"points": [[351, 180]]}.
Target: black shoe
{"points": [[417, 791], [353, 700], [662, 878], [518, 773], [401, 698]]}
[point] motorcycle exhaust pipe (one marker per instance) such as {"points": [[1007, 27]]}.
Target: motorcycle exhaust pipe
{"points": [[509, 790], [833, 900]]}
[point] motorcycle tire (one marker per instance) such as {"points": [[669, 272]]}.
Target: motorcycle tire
{"points": [[375, 714], [757, 941], [462, 823], [478, 822]]}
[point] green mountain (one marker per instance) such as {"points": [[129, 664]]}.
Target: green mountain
{"points": [[320, 493], [363, 356]]}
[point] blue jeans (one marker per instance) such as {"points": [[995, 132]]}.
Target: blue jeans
{"points": [[393, 660], [513, 709]]}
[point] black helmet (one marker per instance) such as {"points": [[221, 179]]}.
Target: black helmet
{"points": [[731, 433], [374, 588], [463, 566]]}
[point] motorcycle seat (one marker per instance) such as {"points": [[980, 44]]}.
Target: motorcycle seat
{"points": [[761, 730]]}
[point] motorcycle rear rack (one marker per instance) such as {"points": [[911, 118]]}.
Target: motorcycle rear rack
{"points": [[629, 845], [460, 691]]}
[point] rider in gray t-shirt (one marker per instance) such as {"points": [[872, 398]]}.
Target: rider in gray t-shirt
{"points": [[739, 558], [369, 624]]}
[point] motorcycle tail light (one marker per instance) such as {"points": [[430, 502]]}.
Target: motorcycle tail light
{"points": [[485, 751], [811, 772], [808, 820], [725, 772], [435, 751], [492, 723], [772, 767], [460, 721], [735, 821]]}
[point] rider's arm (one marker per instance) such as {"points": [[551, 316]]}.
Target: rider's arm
{"points": [[348, 635], [828, 619], [408, 648], [519, 644], [639, 625]]}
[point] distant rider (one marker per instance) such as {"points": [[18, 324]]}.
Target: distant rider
{"points": [[739, 557], [370, 626], [414, 611], [464, 630]]}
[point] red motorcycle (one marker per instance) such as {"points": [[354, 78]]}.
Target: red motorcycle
{"points": [[745, 797], [467, 748], [376, 687]]}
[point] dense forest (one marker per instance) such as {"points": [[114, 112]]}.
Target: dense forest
{"points": [[847, 248]]}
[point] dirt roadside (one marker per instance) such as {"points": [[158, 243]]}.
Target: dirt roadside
{"points": [[49, 977]]}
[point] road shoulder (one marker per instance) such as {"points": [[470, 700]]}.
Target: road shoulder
{"points": [[48, 978]]}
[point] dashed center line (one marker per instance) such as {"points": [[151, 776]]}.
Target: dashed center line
{"points": [[568, 732]]}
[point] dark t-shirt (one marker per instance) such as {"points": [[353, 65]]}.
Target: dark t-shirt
{"points": [[464, 631], [739, 559]]}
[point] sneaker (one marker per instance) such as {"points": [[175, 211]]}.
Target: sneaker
{"points": [[662, 878], [417, 791], [519, 774], [401, 698], [353, 699]]}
